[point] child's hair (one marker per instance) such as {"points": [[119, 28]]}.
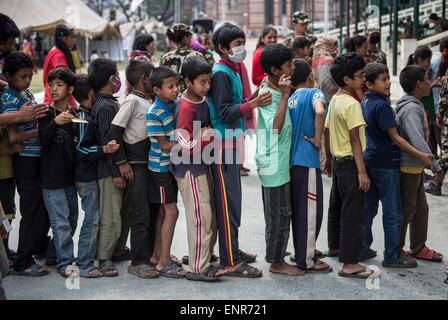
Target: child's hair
{"points": [[373, 70], [141, 41], [302, 71], [346, 65], [275, 55], [82, 87], [443, 67], [60, 32], [16, 61], [177, 32], [159, 74], [264, 33], [409, 77], [225, 35], [8, 30], [64, 74], [355, 42], [193, 67], [422, 52], [300, 43], [136, 69], [203, 39], [100, 71]]}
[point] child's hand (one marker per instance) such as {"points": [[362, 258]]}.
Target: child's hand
{"points": [[126, 171], [3, 233], [284, 84], [63, 118], [16, 148], [31, 112], [438, 82], [327, 168], [111, 147], [119, 182], [262, 100], [439, 121], [314, 142], [364, 181], [426, 160]]}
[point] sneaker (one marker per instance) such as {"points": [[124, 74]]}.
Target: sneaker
{"points": [[403, 262], [434, 188]]}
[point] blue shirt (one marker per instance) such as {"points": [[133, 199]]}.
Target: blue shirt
{"points": [[11, 102], [302, 112], [160, 122], [379, 116]]}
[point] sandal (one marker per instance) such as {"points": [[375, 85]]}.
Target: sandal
{"points": [[317, 255], [428, 254], [171, 270], [247, 257], [108, 269], [87, 272], [124, 255], [144, 271], [36, 271], [356, 274], [213, 258], [244, 270], [67, 274], [176, 260], [313, 269], [209, 274], [369, 255]]}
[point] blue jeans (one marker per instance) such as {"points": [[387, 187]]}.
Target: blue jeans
{"points": [[62, 207], [384, 187], [88, 237]]}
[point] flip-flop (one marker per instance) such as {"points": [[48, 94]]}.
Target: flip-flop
{"points": [[108, 266], [428, 255], [246, 257], [356, 274], [142, 271], [63, 272], [244, 270], [171, 270], [213, 258], [314, 270], [208, 275], [85, 273], [33, 273]]}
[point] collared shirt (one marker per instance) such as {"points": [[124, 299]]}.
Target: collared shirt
{"points": [[12, 101], [160, 123]]}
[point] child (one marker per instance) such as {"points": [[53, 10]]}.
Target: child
{"points": [[129, 129], [413, 127], [227, 112], [382, 159], [86, 176], [267, 36], [307, 112], [34, 224], [204, 40], [274, 137], [105, 81], [193, 178], [442, 122], [301, 48], [57, 167], [160, 126], [345, 137]]}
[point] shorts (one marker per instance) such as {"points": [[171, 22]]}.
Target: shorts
{"points": [[163, 188], [7, 193]]}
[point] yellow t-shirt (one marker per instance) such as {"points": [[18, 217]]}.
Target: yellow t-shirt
{"points": [[344, 114]]}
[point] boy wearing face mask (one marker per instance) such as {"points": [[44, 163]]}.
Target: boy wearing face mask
{"points": [[105, 80], [228, 113], [374, 54]]}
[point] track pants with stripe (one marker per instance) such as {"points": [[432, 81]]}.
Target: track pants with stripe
{"points": [[201, 221], [307, 213], [227, 189]]}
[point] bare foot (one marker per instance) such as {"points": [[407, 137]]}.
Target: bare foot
{"points": [[285, 268]]}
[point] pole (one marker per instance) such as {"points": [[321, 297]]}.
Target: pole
{"points": [[326, 11], [416, 22], [348, 18], [443, 9], [312, 16], [380, 6], [341, 23], [176, 11], [356, 16], [395, 38]]}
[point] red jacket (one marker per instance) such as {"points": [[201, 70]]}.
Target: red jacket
{"points": [[257, 70]]}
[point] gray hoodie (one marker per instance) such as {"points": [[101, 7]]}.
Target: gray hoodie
{"points": [[411, 120]]}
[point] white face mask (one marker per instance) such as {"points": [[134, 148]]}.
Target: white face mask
{"points": [[239, 54]]}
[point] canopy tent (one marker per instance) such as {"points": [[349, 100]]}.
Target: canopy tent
{"points": [[44, 16]]}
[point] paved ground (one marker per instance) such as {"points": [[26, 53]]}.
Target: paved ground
{"points": [[424, 282]]}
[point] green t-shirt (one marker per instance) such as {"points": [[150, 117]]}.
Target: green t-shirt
{"points": [[430, 109], [273, 150]]}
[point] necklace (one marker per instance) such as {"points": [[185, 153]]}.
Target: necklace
{"points": [[140, 94], [344, 91], [273, 86]]}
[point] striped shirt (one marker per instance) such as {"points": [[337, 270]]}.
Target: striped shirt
{"points": [[103, 112], [12, 101], [160, 122]]}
